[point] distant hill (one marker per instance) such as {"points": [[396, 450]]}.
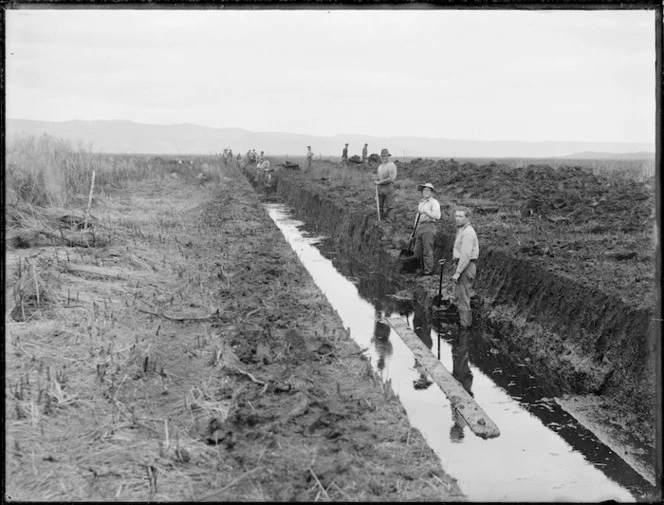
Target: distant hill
{"points": [[119, 136], [592, 155]]}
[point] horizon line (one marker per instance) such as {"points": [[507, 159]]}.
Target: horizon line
{"points": [[650, 143]]}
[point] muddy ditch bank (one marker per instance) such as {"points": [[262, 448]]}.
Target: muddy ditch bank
{"points": [[180, 362], [584, 341]]}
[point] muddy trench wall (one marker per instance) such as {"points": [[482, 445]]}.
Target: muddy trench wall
{"points": [[592, 342], [596, 341], [351, 230]]}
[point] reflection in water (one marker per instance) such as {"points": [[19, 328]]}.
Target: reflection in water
{"points": [[422, 329], [385, 307], [462, 373], [381, 340]]}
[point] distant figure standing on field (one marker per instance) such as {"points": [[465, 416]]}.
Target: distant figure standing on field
{"points": [[466, 251], [365, 158], [385, 177], [310, 156], [344, 156], [428, 211]]}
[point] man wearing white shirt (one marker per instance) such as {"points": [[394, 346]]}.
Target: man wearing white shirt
{"points": [[429, 212], [466, 251]]}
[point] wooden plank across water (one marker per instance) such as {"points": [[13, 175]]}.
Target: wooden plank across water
{"points": [[472, 413]]}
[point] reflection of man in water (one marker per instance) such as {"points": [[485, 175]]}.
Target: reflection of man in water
{"points": [[461, 372], [422, 330], [381, 340]]}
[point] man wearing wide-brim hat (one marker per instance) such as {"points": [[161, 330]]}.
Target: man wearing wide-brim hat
{"points": [[386, 174], [429, 212]]}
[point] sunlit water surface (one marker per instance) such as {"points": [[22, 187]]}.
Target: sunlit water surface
{"points": [[527, 462]]}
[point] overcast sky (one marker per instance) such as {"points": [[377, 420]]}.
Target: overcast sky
{"points": [[480, 75]]}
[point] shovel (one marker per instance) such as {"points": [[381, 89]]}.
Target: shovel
{"points": [[438, 300], [377, 203], [407, 253]]}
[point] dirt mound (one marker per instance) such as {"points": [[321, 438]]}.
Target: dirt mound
{"points": [[567, 192], [289, 165]]}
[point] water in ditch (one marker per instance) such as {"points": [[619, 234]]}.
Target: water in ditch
{"points": [[542, 453]]}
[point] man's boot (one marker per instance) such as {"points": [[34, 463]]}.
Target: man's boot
{"points": [[465, 318]]}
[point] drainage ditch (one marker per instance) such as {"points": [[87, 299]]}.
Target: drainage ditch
{"points": [[542, 454]]}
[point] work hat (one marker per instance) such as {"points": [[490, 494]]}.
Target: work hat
{"points": [[385, 152], [427, 185]]}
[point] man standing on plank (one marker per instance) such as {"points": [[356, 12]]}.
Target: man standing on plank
{"points": [[344, 156], [364, 154], [466, 251], [429, 212], [385, 177]]}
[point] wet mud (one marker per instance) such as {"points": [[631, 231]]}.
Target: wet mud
{"points": [[553, 291]]}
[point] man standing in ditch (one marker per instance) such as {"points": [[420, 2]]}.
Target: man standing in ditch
{"points": [[466, 251], [429, 212], [385, 177]]}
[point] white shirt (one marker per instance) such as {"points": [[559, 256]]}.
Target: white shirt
{"points": [[466, 247], [429, 204], [387, 170]]}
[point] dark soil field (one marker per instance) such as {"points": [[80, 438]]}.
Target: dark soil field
{"points": [[178, 351], [566, 273]]}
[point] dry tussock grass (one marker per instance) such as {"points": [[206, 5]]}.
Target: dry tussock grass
{"points": [[79, 360]]}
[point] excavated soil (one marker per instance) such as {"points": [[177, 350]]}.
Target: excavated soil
{"points": [[175, 356], [566, 271]]}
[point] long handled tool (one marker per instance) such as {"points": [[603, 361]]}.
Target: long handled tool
{"points": [[406, 253], [377, 203], [438, 301]]}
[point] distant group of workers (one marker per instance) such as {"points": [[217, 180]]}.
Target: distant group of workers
{"points": [[227, 155], [263, 166], [344, 155]]}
